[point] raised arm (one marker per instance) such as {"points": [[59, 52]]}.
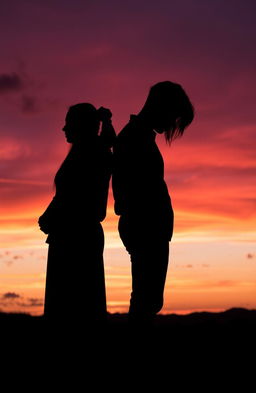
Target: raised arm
{"points": [[107, 134]]}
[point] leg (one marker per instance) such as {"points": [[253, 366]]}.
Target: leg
{"points": [[149, 258], [149, 268]]}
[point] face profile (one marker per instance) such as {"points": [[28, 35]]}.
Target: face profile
{"points": [[69, 131], [81, 122]]}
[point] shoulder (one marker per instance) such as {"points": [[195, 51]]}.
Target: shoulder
{"points": [[128, 135], [125, 133]]}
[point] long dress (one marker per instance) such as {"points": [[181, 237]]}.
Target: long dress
{"points": [[75, 284]]}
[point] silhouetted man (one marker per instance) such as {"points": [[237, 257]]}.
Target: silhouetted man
{"points": [[141, 195]]}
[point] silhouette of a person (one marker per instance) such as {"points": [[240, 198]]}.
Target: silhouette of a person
{"points": [[141, 195], [75, 285]]}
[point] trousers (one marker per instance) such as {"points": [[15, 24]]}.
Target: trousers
{"points": [[149, 263]]}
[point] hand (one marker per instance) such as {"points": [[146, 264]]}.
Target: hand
{"points": [[104, 114]]}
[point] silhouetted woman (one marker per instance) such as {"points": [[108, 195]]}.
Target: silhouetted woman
{"points": [[75, 285], [141, 195]]}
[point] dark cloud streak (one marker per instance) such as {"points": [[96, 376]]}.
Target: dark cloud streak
{"points": [[29, 104], [10, 83], [10, 295], [14, 299]]}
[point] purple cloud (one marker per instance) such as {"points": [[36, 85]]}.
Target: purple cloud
{"points": [[10, 82]]}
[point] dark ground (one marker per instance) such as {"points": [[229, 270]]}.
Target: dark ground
{"points": [[231, 316], [237, 322], [195, 352]]}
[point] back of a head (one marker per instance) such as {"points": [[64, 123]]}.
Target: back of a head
{"points": [[171, 107], [83, 115]]}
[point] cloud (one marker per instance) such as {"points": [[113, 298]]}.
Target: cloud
{"points": [[17, 257], [13, 299], [227, 283], [31, 302], [188, 266], [35, 302], [10, 295], [27, 88], [10, 82], [12, 149], [29, 104], [8, 263]]}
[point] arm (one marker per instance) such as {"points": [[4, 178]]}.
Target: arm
{"points": [[107, 134]]}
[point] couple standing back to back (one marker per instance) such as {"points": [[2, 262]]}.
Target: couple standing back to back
{"points": [[75, 283]]}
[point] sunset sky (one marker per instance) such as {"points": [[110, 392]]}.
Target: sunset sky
{"points": [[55, 53]]}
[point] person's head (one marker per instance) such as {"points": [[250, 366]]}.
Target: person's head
{"points": [[168, 109], [82, 122]]}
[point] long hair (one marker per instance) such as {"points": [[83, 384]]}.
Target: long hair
{"points": [[171, 109]]}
